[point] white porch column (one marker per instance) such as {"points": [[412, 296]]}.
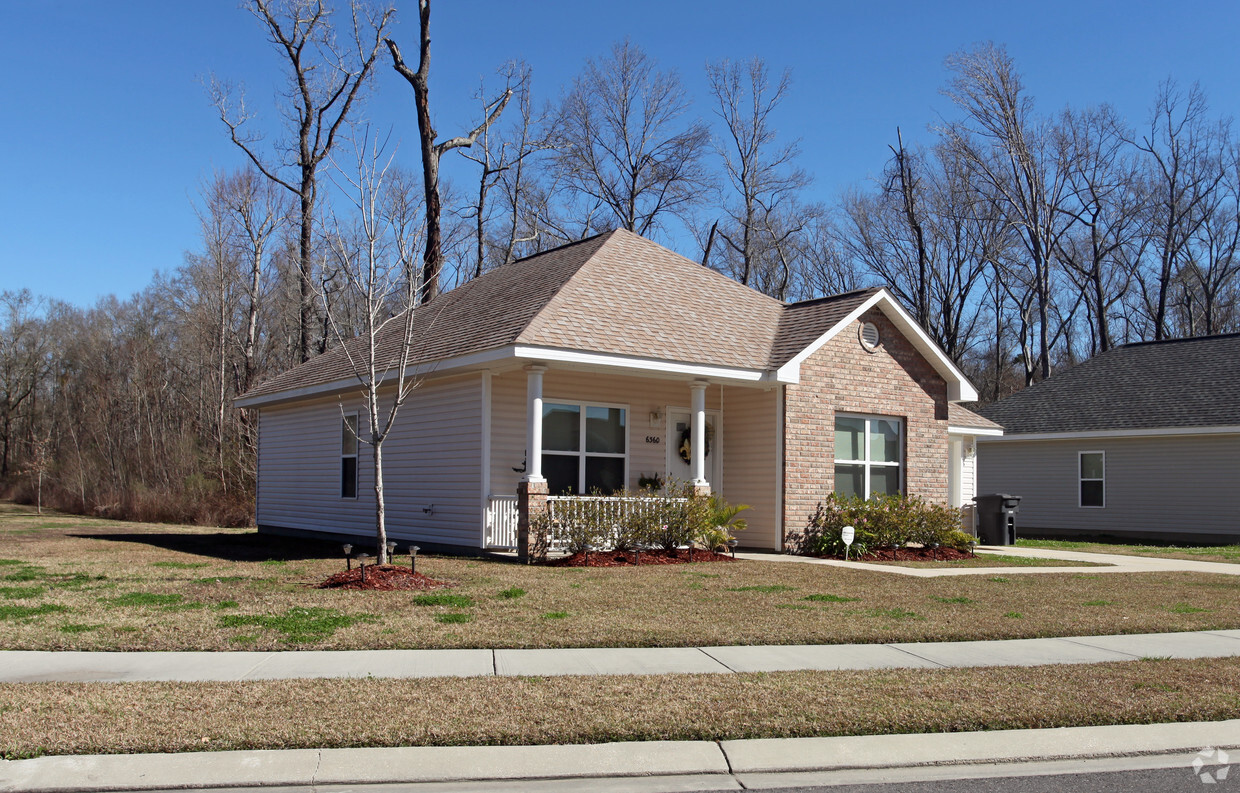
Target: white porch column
{"points": [[533, 423], [697, 390]]}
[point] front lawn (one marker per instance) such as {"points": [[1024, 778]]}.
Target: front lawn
{"points": [[90, 718], [77, 583], [1196, 553]]}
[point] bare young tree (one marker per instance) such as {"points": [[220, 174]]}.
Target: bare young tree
{"points": [[325, 83], [624, 147], [432, 151], [760, 171], [370, 252]]}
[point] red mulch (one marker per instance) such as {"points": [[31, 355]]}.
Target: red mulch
{"points": [[628, 558], [384, 578], [909, 555]]}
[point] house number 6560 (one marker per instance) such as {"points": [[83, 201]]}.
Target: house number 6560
{"points": [[653, 439]]}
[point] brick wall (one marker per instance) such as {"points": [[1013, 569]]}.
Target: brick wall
{"points": [[894, 380]]}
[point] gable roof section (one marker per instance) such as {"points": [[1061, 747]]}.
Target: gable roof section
{"points": [[623, 298], [959, 417], [1176, 384]]}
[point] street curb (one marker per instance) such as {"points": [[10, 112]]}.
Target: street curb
{"points": [[71, 774]]}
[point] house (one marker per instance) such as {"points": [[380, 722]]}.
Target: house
{"points": [[1141, 440], [610, 359]]}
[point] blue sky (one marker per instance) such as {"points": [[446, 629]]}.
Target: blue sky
{"points": [[107, 132]]}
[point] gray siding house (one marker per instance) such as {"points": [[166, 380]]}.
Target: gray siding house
{"points": [[1142, 440]]}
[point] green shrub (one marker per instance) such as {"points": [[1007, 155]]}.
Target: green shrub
{"points": [[879, 522]]}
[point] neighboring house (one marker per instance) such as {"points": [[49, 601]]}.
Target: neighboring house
{"points": [[1140, 440], [588, 367]]}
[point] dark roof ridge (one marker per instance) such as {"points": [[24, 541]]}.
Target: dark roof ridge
{"points": [[838, 295], [1176, 341], [559, 247]]}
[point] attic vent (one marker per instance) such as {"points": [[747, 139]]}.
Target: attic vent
{"points": [[868, 333]]}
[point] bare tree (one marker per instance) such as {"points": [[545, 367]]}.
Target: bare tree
{"points": [[432, 151], [370, 253], [23, 352], [624, 148], [761, 172], [1183, 152], [325, 83]]}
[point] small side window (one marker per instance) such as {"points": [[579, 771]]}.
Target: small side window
{"points": [[348, 456], [1093, 468]]}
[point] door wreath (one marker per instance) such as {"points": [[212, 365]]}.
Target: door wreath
{"points": [[686, 443]]}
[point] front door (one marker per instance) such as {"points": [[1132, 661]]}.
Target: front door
{"points": [[679, 461]]}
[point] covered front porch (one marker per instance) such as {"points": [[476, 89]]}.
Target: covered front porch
{"points": [[560, 433]]}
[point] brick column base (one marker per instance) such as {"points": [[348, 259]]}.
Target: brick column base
{"points": [[699, 490], [531, 500]]}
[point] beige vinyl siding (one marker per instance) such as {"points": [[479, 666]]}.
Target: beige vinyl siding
{"points": [[750, 462], [968, 472], [431, 458], [643, 396], [1158, 486]]}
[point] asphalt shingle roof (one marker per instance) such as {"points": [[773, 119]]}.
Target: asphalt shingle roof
{"points": [[615, 293], [958, 416], [1150, 385]]}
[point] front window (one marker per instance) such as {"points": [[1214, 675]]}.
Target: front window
{"points": [[348, 456], [867, 456], [1093, 469], [585, 448]]}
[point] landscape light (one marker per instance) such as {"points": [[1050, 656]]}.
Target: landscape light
{"points": [[348, 562], [413, 558]]}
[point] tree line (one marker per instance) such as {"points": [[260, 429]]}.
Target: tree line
{"points": [[1022, 240]]}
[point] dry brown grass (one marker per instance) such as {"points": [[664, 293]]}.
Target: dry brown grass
{"points": [[89, 584], [89, 718]]}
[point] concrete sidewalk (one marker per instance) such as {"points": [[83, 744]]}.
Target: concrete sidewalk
{"points": [[681, 765], [26, 666], [1110, 563]]}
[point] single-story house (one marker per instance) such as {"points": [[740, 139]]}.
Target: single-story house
{"points": [[1142, 440], [606, 361]]}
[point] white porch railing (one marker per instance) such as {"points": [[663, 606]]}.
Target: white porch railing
{"points": [[501, 522], [502, 515]]}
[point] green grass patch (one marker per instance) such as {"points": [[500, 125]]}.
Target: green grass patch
{"points": [[511, 593], [793, 606], [225, 604], [227, 579], [765, 589], [998, 579], [555, 615], [28, 573], [11, 562], [77, 627], [275, 562], [444, 599], [1186, 608], [181, 565], [142, 600], [1014, 615], [960, 599], [26, 612], [454, 618], [830, 598], [298, 624], [21, 592]]}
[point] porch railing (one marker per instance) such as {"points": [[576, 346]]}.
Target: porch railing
{"points": [[501, 522]]}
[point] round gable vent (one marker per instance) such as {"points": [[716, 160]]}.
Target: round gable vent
{"points": [[868, 333]]}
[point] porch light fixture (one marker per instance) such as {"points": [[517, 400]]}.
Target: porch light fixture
{"points": [[348, 560], [413, 558], [656, 419]]}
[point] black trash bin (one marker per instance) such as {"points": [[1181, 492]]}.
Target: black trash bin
{"points": [[996, 518]]}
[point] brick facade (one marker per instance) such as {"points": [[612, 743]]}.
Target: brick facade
{"points": [[894, 380]]}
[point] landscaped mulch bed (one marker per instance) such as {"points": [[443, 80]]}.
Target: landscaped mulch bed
{"points": [[909, 555], [383, 578], [629, 558]]}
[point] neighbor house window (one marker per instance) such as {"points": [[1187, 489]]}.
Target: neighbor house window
{"points": [[348, 456], [585, 448], [867, 456], [1093, 470]]}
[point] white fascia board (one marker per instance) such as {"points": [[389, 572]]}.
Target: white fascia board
{"points": [[977, 431], [959, 389], [1159, 432], [527, 353], [610, 360]]}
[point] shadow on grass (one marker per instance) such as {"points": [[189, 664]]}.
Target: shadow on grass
{"points": [[231, 547]]}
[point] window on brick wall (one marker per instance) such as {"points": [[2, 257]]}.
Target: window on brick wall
{"points": [[869, 454]]}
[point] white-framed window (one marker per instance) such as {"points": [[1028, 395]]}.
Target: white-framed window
{"points": [[1092, 469], [585, 447], [348, 456], [869, 455]]}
